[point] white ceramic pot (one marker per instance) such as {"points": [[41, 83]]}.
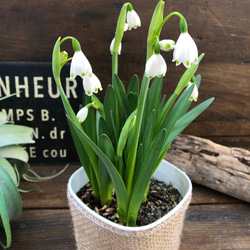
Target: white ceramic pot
{"points": [[93, 231]]}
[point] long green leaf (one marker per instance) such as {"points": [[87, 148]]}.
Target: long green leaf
{"points": [[125, 132], [3, 118], [146, 172], [133, 85], [111, 114], [179, 109], [186, 119], [5, 221], [84, 152], [9, 168], [14, 152], [121, 96], [15, 134], [120, 188], [106, 186], [154, 96], [11, 196]]}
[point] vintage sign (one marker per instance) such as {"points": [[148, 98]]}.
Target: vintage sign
{"points": [[37, 104]]}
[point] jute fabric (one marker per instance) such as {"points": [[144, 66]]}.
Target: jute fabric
{"points": [[93, 234]]}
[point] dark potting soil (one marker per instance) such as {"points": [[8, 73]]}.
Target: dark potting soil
{"points": [[161, 199]]}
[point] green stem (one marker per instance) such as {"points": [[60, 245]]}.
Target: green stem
{"points": [[167, 17], [115, 63], [130, 165]]}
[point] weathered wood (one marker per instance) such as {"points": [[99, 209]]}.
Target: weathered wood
{"points": [[228, 227], [52, 194], [203, 195], [49, 194], [213, 221], [43, 229], [205, 227], [220, 29], [221, 168]]}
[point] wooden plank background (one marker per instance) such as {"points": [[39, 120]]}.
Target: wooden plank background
{"points": [[213, 220], [30, 28]]}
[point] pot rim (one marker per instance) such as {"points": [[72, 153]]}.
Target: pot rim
{"points": [[172, 214]]}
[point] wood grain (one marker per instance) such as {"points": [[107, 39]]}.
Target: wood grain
{"points": [[221, 168], [213, 220], [205, 227], [220, 29], [228, 227]]}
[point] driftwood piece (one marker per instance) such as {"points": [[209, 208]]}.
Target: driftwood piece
{"points": [[221, 168]]}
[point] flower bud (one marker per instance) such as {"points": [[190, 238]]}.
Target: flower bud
{"points": [[82, 114], [167, 44]]}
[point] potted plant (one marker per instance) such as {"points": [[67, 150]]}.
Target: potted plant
{"points": [[122, 141], [14, 165]]}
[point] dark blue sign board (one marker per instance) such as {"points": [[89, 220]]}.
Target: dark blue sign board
{"points": [[37, 104]]}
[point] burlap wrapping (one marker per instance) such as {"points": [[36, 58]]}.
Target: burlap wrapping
{"points": [[92, 233]]}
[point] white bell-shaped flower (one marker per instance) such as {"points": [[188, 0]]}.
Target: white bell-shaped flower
{"points": [[167, 44], [155, 66], [195, 93], [185, 51], [133, 20], [112, 47], [91, 84], [80, 65], [82, 114]]}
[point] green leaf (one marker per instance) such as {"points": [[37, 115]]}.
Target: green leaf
{"points": [[186, 119], [11, 195], [180, 108], [5, 221], [15, 134], [9, 168], [156, 20], [133, 100], [120, 188], [121, 96], [152, 101], [111, 114], [154, 96], [90, 122], [147, 136], [85, 153], [133, 85], [14, 152], [37, 178], [3, 118], [125, 132], [146, 172], [187, 76], [106, 186]]}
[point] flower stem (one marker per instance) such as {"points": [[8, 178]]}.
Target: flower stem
{"points": [[115, 63], [175, 13], [136, 134]]}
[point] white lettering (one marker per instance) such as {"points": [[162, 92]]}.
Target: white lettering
{"points": [[71, 88], [54, 153], [40, 86], [30, 115], [19, 114], [46, 153], [9, 114], [19, 87], [44, 115], [35, 133], [5, 87], [32, 152], [36, 79], [50, 90], [62, 134], [53, 133]]}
